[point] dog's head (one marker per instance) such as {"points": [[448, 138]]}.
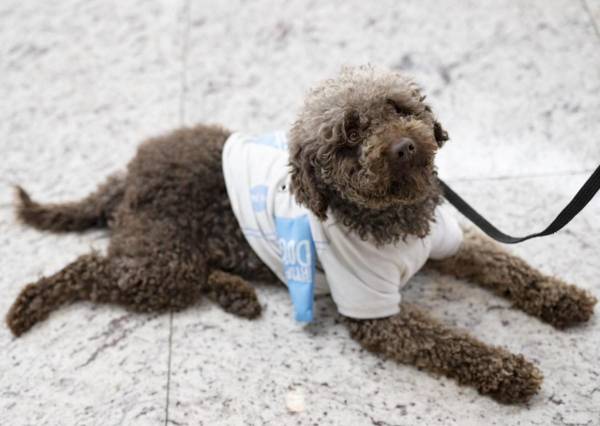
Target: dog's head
{"points": [[366, 137]]}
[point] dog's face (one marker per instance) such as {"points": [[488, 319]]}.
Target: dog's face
{"points": [[367, 137]]}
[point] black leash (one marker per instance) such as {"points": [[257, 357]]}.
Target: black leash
{"points": [[579, 201]]}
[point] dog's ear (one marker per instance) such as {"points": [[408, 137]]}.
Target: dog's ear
{"points": [[440, 134], [305, 185]]}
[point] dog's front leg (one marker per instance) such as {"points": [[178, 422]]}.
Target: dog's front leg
{"points": [[413, 337], [484, 262]]}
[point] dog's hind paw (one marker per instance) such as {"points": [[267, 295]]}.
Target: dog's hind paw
{"points": [[515, 381], [233, 294], [564, 305], [27, 310], [246, 307]]}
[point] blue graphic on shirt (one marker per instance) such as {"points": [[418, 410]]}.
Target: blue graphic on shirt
{"points": [[258, 196], [276, 140], [299, 263]]}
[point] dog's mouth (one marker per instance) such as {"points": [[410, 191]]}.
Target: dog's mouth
{"points": [[412, 186], [384, 187], [416, 168], [410, 182]]}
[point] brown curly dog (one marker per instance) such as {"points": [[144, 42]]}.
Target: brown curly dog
{"points": [[174, 237]]}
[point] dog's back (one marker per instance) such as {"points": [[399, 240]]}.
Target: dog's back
{"points": [[170, 222]]}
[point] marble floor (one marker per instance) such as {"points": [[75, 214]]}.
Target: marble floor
{"points": [[517, 85]]}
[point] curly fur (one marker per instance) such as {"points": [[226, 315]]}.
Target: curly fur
{"points": [[172, 232], [94, 211], [340, 161], [174, 237], [413, 337], [549, 298]]}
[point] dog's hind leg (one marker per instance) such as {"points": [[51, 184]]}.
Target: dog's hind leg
{"points": [[413, 337], [151, 266], [84, 279], [486, 263], [234, 294], [93, 211], [157, 264]]}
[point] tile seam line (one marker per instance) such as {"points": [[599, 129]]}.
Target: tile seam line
{"points": [[169, 354], [183, 59], [186, 11], [587, 10], [517, 177]]}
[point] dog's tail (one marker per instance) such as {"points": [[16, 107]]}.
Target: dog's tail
{"points": [[94, 211], [87, 278]]}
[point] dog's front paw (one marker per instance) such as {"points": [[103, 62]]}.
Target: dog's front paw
{"points": [[511, 379], [564, 305]]}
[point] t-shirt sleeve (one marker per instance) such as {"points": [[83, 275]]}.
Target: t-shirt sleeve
{"points": [[363, 284], [446, 235]]}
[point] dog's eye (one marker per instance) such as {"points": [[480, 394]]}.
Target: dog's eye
{"points": [[400, 110], [353, 135], [352, 125]]}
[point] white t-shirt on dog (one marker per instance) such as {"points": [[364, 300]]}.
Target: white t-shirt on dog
{"points": [[364, 280]]}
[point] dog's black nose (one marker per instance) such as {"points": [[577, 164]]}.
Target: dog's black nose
{"points": [[403, 149]]}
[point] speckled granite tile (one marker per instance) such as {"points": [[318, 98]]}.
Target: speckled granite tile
{"points": [[86, 365], [515, 83], [230, 371], [82, 84]]}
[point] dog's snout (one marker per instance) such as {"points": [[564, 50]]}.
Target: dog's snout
{"points": [[403, 149]]}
